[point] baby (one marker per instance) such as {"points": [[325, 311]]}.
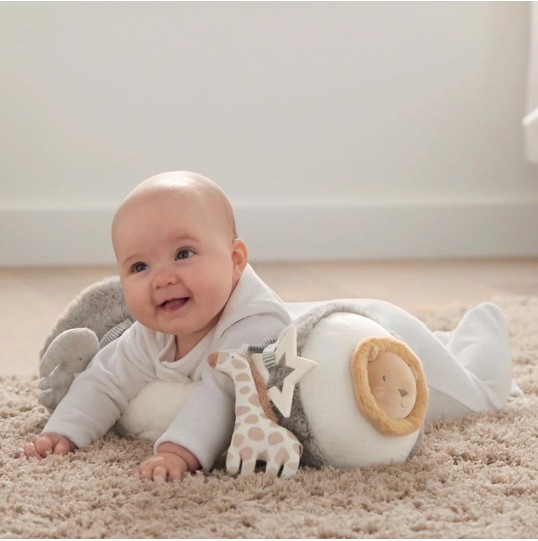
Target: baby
{"points": [[188, 285]]}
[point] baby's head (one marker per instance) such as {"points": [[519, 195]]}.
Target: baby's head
{"points": [[178, 254], [183, 185]]}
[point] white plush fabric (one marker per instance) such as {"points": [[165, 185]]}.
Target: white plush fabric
{"points": [[154, 408], [329, 402]]}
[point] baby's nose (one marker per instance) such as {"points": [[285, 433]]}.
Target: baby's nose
{"points": [[164, 278]]}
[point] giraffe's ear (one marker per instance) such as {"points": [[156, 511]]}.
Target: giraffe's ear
{"points": [[212, 359]]}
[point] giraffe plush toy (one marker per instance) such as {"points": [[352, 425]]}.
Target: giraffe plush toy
{"points": [[256, 436]]}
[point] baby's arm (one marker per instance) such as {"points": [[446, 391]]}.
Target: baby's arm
{"points": [[205, 422], [45, 444], [96, 398], [171, 461]]}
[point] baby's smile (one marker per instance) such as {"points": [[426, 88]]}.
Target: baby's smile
{"points": [[171, 305]]}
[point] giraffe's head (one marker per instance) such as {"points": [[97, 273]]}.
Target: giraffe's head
{"points": [[229, 362], [244, 374]]}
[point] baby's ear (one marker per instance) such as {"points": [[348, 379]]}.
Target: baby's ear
{"points": [[239, 256]]}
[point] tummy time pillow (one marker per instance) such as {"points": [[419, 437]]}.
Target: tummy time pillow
{"points": [[346, 392]]}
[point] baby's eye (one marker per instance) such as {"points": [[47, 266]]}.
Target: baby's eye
{"points": [[184, 253], [139, 267]]}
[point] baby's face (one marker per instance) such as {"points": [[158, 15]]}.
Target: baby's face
{"points": [[178, 263]]}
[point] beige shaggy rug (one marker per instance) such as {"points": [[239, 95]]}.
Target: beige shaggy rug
{"points": [[474, 478]]}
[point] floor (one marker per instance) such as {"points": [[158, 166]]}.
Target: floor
{"points": [[32, 298]]}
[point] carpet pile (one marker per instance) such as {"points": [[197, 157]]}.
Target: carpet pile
{"points": [[474, 477]]}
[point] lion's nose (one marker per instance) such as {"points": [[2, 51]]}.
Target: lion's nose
{"points": [[403, 392]]}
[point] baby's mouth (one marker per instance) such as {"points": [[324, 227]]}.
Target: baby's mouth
{"points": [[173, 304]]}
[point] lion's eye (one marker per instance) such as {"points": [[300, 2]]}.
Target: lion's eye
{"points": [[384, 377]]}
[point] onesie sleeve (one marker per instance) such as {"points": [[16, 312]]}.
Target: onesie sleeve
{"points": [[204, 424], [99, 395], [206, 421]]}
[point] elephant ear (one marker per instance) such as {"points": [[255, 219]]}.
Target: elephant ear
{"points": [[67, 355], [100, 307], [93, 319], [389, 385]]}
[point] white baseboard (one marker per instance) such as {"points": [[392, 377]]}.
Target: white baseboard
{"points": [[422, 230], [55, 236], [315, 232]]}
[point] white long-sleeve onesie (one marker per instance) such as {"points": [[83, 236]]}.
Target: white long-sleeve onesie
{"points": [[204, 425]]}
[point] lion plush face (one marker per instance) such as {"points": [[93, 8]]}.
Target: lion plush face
{"points": [[393, 384], [389, 385]]}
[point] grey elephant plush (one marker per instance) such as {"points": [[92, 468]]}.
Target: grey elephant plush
{"points": [[95, 318], [343, 389]]}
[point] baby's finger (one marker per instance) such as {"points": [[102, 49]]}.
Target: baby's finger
{"points": [[43, 446], [175, 473], [29, 451], [160, 472], [62, 447], [145, 470]]}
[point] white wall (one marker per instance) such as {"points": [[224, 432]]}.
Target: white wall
{"points": [[339, 130]]}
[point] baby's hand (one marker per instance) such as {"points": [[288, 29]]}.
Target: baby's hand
{"points": [[170, 462], [45, 444]]}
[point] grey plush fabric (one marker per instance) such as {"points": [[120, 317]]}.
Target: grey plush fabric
{"points": [[115, 332], [308, 321], [100, 307]]}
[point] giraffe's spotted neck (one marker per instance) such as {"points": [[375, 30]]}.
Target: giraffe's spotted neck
{"points": [[250, 390]]}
